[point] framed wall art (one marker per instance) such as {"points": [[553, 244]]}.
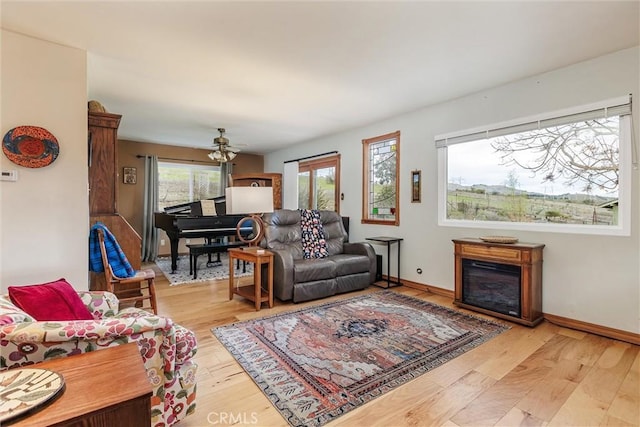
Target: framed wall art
{"points": [[129, 175], [415, 186]]}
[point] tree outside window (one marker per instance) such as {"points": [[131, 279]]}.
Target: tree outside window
{"points": [[562, 174], [565, 172], [381, 156]]}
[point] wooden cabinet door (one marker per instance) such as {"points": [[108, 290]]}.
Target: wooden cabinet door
{"points": [[103, 163]]}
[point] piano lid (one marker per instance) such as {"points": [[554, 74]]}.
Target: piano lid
{"points": [[195, 209]]}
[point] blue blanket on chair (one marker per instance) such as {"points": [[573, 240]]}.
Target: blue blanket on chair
{"points": [[116, 257]]}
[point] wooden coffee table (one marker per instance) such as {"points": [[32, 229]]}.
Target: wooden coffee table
{"points": [[252, 292]]}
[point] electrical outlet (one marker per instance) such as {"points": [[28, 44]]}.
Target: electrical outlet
{"points": [[162, 242]]}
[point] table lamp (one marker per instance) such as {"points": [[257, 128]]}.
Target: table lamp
{"points": [[253, 202]]}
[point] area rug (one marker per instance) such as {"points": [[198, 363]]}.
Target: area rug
{"points": [[213, 271], [321, 362]]}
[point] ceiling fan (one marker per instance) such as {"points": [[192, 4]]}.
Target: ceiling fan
{"points": [[223, 152]]}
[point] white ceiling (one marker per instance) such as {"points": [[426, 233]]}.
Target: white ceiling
{"points": [[277, 73]]}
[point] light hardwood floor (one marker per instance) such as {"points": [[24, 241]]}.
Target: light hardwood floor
{"points": [[546, 375]]}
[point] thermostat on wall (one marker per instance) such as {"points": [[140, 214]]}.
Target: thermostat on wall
{"points": [[9, 175]]}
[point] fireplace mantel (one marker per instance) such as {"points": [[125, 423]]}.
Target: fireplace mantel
{"points": [[526, 256]]}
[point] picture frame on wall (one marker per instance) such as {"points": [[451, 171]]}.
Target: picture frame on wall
{"points": [[129, 175], [415, 186]]}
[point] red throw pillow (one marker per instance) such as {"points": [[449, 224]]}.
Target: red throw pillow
{"points": [[50, 301]]}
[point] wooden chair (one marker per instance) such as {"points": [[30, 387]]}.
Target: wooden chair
{"points": [[122, 288]]}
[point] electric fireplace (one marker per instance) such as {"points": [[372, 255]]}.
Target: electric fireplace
{"points": [[500, 279], [492, 286]]}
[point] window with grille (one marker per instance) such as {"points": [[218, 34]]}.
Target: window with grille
{"points": [[381, 158]]}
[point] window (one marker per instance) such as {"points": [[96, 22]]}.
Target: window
{"points": [[183, 183], [565, 172], [319, 184], [381, 157]]}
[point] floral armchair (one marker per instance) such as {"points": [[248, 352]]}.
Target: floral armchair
{"points": [[166, 348]]}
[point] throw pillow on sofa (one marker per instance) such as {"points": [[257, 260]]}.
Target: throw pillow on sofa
{"points": [[314, 243], [55, 300]]}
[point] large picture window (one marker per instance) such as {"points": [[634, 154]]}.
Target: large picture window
{"points": [[565, 171], [183, 183], [381, 160]]}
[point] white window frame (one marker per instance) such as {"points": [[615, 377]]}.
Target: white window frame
{"points": [[623, 228]]}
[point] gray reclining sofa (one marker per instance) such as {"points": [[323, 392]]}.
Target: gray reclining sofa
{"points": [[349, 266]]}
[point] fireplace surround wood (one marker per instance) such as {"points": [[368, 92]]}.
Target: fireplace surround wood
{"points": [[526, 256]]}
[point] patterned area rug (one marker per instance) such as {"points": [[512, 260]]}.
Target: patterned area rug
{"points": [[318, 363], [215, 271]]}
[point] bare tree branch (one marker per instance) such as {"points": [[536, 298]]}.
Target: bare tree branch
{"points": [[585, 153]]}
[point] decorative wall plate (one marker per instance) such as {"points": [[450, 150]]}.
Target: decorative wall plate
{"points": [[26, 390], [499, 239], [30, 146]]}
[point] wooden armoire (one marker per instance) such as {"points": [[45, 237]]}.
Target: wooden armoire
{"points": [[103, 189]]}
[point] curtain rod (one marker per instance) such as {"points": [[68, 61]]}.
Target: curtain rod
{"points": [[312, 157], [142, 156]]}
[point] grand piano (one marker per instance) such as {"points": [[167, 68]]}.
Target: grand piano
{"points": [[186, 220]]}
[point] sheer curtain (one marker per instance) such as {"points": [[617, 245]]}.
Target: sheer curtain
{"points": [[149, 231], [290, 185]]}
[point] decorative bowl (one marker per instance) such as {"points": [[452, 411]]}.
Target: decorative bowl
{"points": [[499, 239]]}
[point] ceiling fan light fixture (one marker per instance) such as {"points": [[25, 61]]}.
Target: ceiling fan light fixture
{"points": [[223, 153]]}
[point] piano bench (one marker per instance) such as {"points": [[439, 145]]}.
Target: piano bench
{"points": [[210, 248]]}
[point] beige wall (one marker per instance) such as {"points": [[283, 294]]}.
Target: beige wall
{"points": [[44, 216], [130, 197]]}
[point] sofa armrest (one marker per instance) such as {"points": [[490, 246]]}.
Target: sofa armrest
{"points": [[9, 313], [283, 274], [100, 303], [363, 248]]}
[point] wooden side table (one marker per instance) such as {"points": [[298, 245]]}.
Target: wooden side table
{"points": [[253, 292], [102, 388]]}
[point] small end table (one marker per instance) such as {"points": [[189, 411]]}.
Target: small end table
{"points": [[388, 241], [254, 292]]}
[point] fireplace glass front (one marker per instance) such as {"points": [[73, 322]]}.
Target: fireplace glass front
{"points": [[491, 286]]}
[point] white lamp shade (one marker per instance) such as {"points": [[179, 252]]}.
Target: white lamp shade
{"points": [[249, 200]]}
